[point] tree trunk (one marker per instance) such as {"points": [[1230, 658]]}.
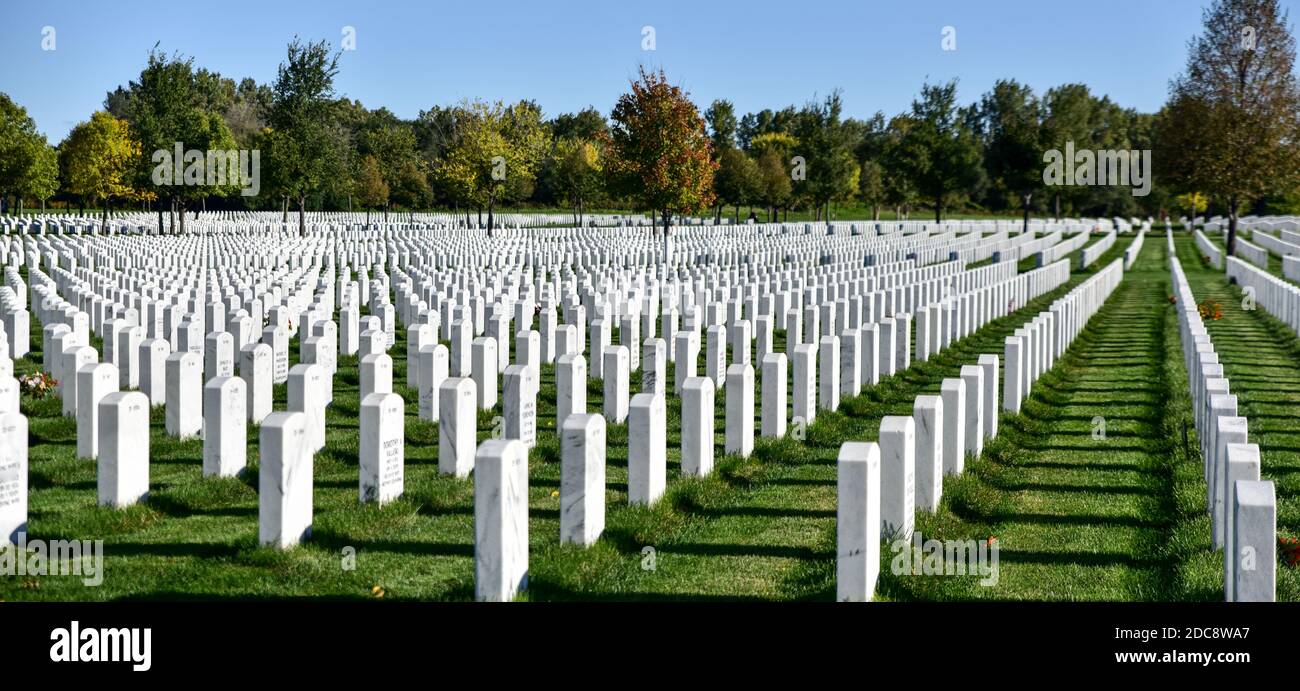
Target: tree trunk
{"points": [[302, 215], [668, 222], [491, 207], [1232, 226], [1027, 197], [367, 215], [350, 205], [284, 210], [160, 219], [938, 208], [1057, 206], [180, 209]]}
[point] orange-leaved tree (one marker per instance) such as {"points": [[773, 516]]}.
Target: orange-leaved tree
{"points": [[659, 151]]}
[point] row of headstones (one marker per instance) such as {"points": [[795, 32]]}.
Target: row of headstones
{"points": [[1134, 248], [1242, 507], [880, 484], [1277, 296], [1208, 249], [1093, 252]]}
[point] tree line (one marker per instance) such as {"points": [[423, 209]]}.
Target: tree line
{"points": [[1227, 141]]}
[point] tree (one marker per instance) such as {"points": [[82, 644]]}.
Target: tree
{"points": [[823, 142], [659, 152], [1239, 97], [101, 158], [1009, 120], [737, 181], [371, 189], [938, 152], [42, 179], [173, 104], [18, 147], [721, 117], [300, 117], [587, 124], [773, 183], [496, 155], [871, 187], [578, 166], [1068, 118]]}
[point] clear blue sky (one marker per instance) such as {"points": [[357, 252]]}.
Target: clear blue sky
{"points": [[567, 54]]}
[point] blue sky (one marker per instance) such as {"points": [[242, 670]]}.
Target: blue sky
{"points": [[568, 54]]}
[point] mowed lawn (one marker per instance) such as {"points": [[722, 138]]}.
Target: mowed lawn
{"points": [[1074, 517]]}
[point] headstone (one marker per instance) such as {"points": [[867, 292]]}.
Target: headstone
{"points": [[500, 519], [897, 476], [697, 426], [94, 382], [739, 437], [927, 414], [582, 478], [570, 387], [225, 426], [483, 367], [382, 447], [1255, 526], [953, 392], [305, 396], [123, 472], [284, 486], [457, 426], [434, 370], [857, 521], [647, 451], [255, 368], [13, 477], [773, 415], [616, 390], [520, 405]]}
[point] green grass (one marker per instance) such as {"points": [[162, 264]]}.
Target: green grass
{"points": [[1075, 519]]}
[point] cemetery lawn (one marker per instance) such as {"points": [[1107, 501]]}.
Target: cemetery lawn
{"points": [[1075, 518]]}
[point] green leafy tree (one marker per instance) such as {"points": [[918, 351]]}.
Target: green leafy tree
{"points": [[871, 187], [18, 147], [578, 166], [824, 143], [101, 158], [1009, 121], [721, 117], [371, 189], [300, 118], [737, 180], [496, 154], [774, 186], [42, 180], [939, 153]]}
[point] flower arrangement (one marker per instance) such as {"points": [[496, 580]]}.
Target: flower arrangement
{"points": [[1210, 310], [1289, 549], [37, 385], [1173, 299]]}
